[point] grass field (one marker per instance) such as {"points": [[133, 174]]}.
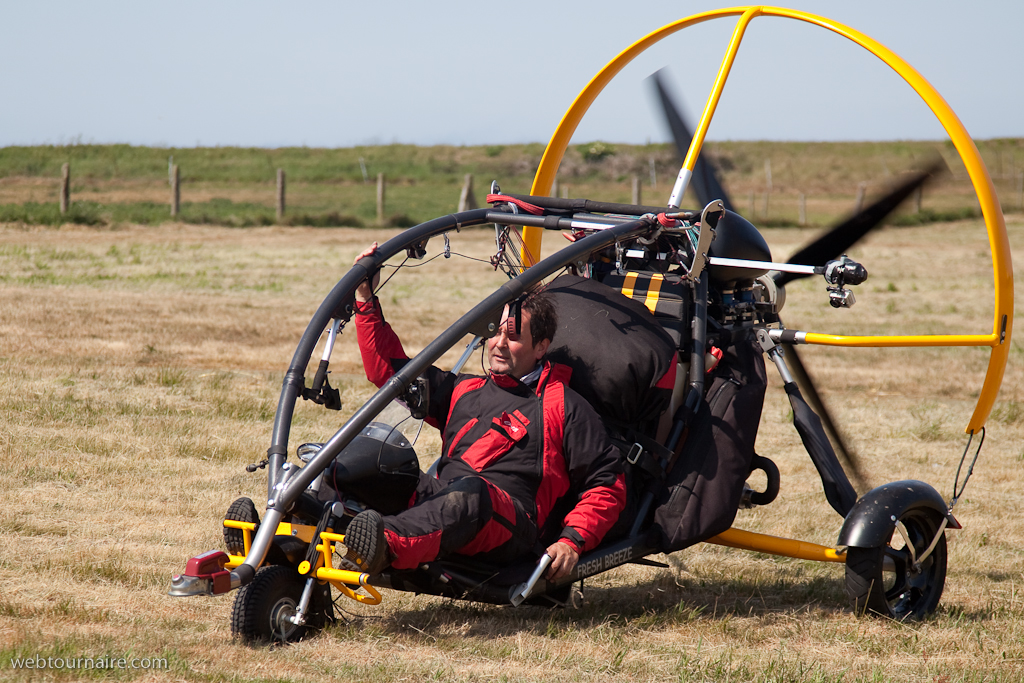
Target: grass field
{"points": [[120, 184], [140, 368]]}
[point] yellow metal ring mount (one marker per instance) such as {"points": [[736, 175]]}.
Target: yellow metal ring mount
{"points": [[1002, 268]]}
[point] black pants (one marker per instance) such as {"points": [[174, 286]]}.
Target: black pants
{"points": [[466, 516]]}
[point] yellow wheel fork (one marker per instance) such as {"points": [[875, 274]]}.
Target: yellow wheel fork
{"points": [[347, 582]]}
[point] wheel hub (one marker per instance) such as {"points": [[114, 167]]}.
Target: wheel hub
{"points": [[281, 615]]}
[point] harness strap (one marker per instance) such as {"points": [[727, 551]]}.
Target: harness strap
{"points": [[644, 452]]}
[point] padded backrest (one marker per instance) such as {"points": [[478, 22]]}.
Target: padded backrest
{"points": [[663, 294], [617, 350]]}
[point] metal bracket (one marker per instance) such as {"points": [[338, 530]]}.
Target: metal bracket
{"points": [[775, 354], [709, 218], [765, 340], [931, 546]]}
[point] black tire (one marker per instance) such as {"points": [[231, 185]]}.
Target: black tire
{"points": [[242, 510], [906, 593], [262, 607]]}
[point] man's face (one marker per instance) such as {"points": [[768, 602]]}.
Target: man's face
{"points": [[515, 354]]}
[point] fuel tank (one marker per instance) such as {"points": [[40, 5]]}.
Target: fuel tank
{"points": [[737, 238]]}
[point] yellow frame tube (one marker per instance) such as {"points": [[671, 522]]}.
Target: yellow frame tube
{"points": [[343, 578], [697, 142], [891, 341], [247, 530], [1002, 267], [773, 545]]}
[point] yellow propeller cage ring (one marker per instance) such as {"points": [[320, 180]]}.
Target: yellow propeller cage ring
{"points": [[1002, 268]]}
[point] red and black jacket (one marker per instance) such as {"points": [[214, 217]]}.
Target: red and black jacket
{"points": [[540, 444]]}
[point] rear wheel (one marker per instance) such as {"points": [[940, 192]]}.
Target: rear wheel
{"points": [[887, 580], [263, 608]]}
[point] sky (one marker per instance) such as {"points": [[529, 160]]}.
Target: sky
{"points": [[340, 74]]}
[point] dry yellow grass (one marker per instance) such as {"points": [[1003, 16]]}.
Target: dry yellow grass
{"points": [[140, 369]]}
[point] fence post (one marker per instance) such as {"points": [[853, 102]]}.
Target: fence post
{"points": [[803, 209], [380, 199], [637, 195], [467, 200], [554, 187], [750, 199], [65, 187], [1020, 190], [565, 191], [917, 199], [862, 189], [280, 195], [175, 190], [767, 186]]}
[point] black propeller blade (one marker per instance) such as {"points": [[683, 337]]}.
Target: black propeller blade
{"points": [[707, 188], [839, 239], [831, 245], [705, 182]]}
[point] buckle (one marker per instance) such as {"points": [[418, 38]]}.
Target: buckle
{"points": [[635, 451]]}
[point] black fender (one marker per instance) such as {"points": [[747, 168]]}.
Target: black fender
{"points": [[871, 521], [286, 550]]}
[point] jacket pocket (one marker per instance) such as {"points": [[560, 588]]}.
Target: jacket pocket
{"points": [[487, 449]]}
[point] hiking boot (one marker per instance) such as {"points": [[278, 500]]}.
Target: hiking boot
{"points": [[366, 544]]}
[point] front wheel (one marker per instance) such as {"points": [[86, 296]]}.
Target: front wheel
{"points": [[263, 607], [888, 581]]}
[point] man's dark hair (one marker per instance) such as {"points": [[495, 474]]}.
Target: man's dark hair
{"points": [[543, 319]]}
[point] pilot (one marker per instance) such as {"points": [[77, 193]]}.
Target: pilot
{"points": [[524, 458]]}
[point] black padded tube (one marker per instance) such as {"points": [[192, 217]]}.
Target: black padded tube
{"points": [[475, 321], [579, 205], [488, 310], [698, 333], [336, 300]]}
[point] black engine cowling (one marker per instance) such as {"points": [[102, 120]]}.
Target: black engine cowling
{"points": [[737, 238]]}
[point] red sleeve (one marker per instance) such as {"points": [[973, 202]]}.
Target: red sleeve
{"points": [[379, 346], [596, 513]]}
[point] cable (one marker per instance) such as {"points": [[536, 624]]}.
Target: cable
{"points": [[397, 268], [525, 206], [471, 258], [958, 489], [418, 265]]}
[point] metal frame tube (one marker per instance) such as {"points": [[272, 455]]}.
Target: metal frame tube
{"points": [[483, 317], [698, 334], [331, 307], [773, 545]]}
